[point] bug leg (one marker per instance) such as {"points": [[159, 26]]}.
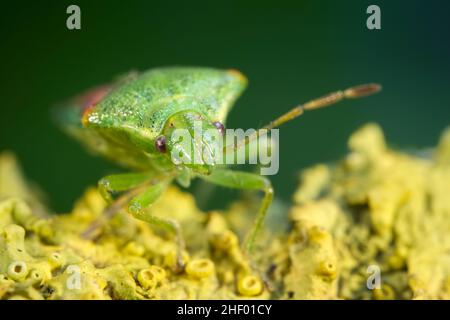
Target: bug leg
{"points": [[137, 207], [111, 186], [125, 185], [246, 181]]}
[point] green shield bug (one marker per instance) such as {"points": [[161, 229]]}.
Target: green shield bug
{"points": [[131, 122]]}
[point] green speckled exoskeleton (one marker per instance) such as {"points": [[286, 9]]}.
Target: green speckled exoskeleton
{"points": [[130, 123]]}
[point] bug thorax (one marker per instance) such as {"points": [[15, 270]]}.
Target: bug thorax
{"points": [[192, 140]]}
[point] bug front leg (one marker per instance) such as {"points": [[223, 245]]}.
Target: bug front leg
{"points": [[246, 181], [117, 190], [111, 186], [137, 207]]}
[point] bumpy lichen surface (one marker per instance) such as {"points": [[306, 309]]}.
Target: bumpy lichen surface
{"points": [[375, 225]]}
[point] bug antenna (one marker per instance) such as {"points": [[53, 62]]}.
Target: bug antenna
{"points": [[324, 101]]}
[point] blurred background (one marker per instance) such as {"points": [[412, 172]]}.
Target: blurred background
{"points": [[290, 51]]}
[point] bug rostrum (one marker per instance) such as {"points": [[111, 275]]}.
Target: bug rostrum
{"points": [[130, 123]]}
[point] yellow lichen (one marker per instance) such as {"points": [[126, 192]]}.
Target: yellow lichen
{"points": [[249, 285], [200, 268], [374, 225]]}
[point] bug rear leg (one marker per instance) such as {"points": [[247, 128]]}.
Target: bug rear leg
{"points": [[246, 181], [137, 207]]}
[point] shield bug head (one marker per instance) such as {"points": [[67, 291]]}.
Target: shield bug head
{"points": [[192, 140]]}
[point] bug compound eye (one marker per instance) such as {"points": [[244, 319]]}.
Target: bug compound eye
{"points": [[219, 127], [160, 144]]}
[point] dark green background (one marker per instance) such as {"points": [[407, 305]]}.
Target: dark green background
{"points": [[290, 51]]}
